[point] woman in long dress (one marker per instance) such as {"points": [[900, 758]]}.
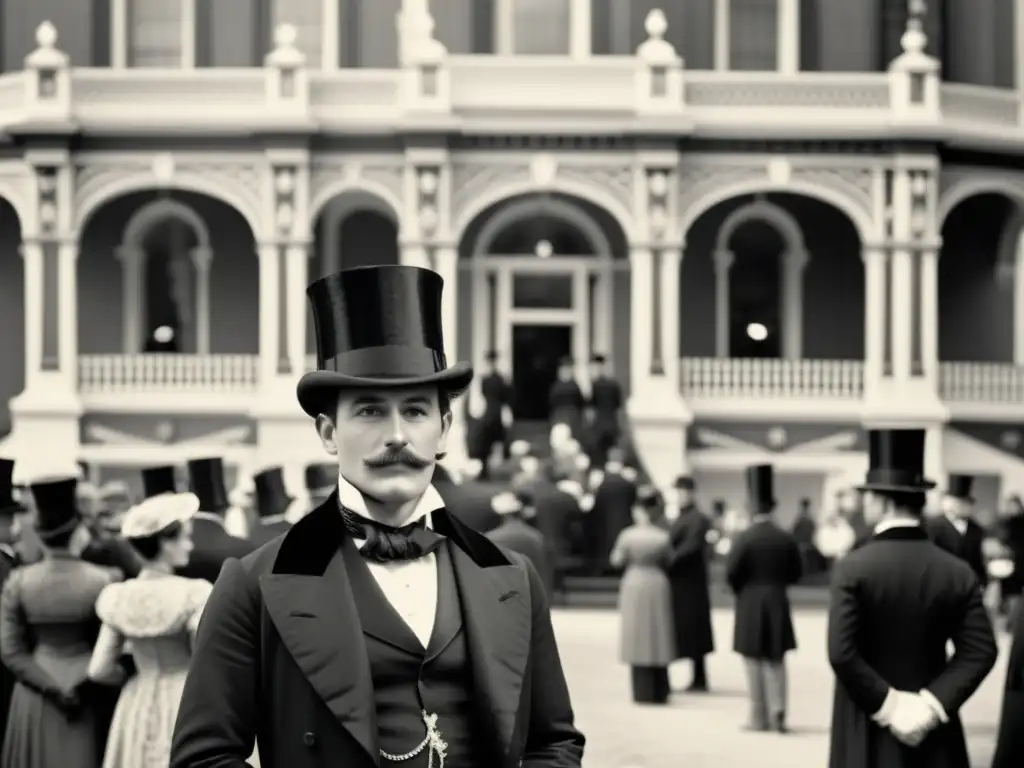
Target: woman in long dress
{"points": [[645, 601], [155, 616], [47, 629]]}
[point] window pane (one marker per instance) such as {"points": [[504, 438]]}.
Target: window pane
{"points": [[540, 27], [753, 35], [542, 291], [154, 33]]}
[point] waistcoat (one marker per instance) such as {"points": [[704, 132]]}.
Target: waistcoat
{"points": [[408, 678]]}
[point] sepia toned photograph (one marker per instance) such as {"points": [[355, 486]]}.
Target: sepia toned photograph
{"points": [[511, 383]]}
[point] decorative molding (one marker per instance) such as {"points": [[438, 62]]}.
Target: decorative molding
{"points": [[841, 441]]}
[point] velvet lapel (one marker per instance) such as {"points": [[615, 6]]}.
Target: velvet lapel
{"points": [[496, 617], [309, 599]]}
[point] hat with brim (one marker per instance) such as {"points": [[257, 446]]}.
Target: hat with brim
{"points": [[960, 487], [158, 513], [896, 462], [272, 496], [378, 328], [9, 504], [56, 506], [760, 482]]}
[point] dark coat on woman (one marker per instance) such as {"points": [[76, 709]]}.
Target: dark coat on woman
{"points": [[686, 562], [763, 562], [896, 603]]}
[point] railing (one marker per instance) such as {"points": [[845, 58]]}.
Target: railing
{"points": [[982, 383], [712, 377], [167, 373], [502, 93]]}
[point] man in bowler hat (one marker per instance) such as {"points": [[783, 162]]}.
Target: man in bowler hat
{"points": [[686, 563], [763, 563], [955, 530], [212, 544], [895, 604], [272, 502], [379, 631]]}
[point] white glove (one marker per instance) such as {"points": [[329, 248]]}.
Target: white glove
{"points": [[912, 719]]}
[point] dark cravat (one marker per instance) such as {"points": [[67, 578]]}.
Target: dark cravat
{"points": [[387, 544]]}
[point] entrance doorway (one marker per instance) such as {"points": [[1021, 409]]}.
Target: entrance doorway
{"points": [[536, 353]]}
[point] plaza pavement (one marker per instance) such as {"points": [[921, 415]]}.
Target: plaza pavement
{"points": [[703, 731]]}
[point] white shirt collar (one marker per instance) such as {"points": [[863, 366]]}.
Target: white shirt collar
{"points": [[959, 523], [351, 498], [899, 522]]}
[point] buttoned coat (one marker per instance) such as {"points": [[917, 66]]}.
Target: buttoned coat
{"points": [[280, 659]]}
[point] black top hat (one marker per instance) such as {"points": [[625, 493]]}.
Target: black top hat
{"points": [[158, 480], [684, 483], [56, 506], [271, 494], [896, 461], [8, 503], [761, 486], [599, 359], [378, 327], [490, 356], [959, 487], [321, 476], [206, 480]]}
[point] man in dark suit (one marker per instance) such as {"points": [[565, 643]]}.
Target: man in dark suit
{"points": [[614, 488], [106, 547], [1010, 743], [955, 529], [686, 563], [212, 544], [606, 411], [896, 602], [492, 427], [272, 502], [763, 563], [379, 630], [9, 506], [516, 534]]}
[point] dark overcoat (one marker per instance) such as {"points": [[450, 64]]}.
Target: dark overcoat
{"points": [[518, 536], [1010, 742], [967, 546], [686, 563], [8, 561], [280, 659], [611, 515], [606, 402], [490, 428], [557, 516], [212, 546], [763, 563], [895, 604]]}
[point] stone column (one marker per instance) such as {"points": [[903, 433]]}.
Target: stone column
{"points": [[201, 259], [793, 304], [788, 39], [657, 414], [723, 264], [131, 258], [876, 316], [1018, 299]]}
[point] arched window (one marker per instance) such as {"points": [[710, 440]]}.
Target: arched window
{"points": [[759, 263], [165, 255]]}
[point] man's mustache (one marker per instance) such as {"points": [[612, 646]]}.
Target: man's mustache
{"points": [[394, 456]]}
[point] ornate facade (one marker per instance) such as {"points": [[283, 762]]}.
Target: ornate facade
{"points": [[576, 204]]}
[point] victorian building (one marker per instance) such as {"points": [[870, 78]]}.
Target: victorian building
{"points": [[780, 220]]}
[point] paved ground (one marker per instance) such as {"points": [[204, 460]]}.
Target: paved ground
{"points": [[703, 731]]}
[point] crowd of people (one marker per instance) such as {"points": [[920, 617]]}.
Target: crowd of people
{"points": [[397, 611]]}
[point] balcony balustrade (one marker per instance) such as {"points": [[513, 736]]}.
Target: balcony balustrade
{"points": [[487, 93], [770, 379], [167, 374]]}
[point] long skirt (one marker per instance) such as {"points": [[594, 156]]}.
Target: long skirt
{"points": [[140, 734], [39, 735], [650, 684]]}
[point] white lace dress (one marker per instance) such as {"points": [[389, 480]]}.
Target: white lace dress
{"points": [[155, 618]]}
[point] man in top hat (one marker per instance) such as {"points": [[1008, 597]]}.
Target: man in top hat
{"points": [[212, 544], [272, 502], [895, 604], [955, 529], [614, 488], [565, 400], [686, 563], [157, 481], [379, 630], [763, 563], [606, 410], [492, 427]]}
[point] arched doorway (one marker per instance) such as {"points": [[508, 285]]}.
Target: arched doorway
{"points": [[182, 261], [543, 279], [978, 276], [352, 229], [12, 312]]}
